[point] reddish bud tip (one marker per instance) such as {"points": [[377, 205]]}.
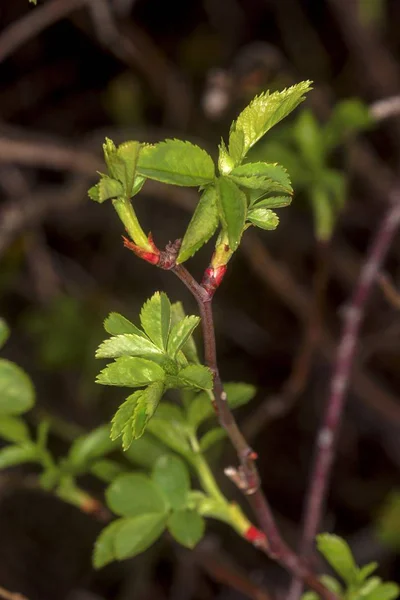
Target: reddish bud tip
{"points": [[253, 455], [212, 279], [152, 257], [255, 536]]}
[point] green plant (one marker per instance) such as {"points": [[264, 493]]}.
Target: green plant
{"points": [[306, 148], [175, 488]]}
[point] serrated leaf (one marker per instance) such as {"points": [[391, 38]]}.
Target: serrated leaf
{"points": [[168, 425], [145, 407], [225, 162], [263, 218], [180, 333], [14, 429], [202, 225], [176, 162], [145, 451], [196, 376], [128, 153], [116, 324], [172, 477], [107, 470], [186, 527], [134, 494], [232, 208], [189, 349], [17, 455], [338, 554], [109, 188], [200, 409], [265, 111], [269, 177], [90, 447], [133, 415], [273, 202], [155, 318], [128, 371], [4, 332], [104, 548], [122, 418], [211, 437], [17, 394], [128, 344], [94, 193], [138, 534]]}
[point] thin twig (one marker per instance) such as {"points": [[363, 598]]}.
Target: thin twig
{"points": [[247, 474], [329, 430], [6, 595]]}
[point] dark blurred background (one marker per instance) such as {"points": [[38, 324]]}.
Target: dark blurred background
{"points": [[74, 71]]}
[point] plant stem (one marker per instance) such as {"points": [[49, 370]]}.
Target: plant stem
{"points": [[246, 476], [128, 217], [328, 432]]}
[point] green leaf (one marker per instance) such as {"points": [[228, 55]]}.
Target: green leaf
{"points": [[366, 571], [155, 318], [107, 470], [16, 455], [232, 207], [116, 324], [225, 162], [172, 477], [189, 349], [197, 377], [308, 135], [128, 344], [134, 494], [180, 333], [14, 429], [348, 118], [265, 111], [17, 394], [108, 188], [324, 214], [134, 414], [200, 409], [338, 554], [168, 425], [211, 437], [145, 451], [104, 548], [385, 591], [202, 225], [90, 447], [176, 162], [269, 177], [332, 584], [4, 332], [310, 596], [137, 534], [186, 527], [128, 371], [128, 153], [263, 218], [273, 202]]}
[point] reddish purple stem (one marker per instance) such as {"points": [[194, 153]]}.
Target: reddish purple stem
{"points": [[329, 430]]}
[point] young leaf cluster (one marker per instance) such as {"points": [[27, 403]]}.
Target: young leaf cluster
{"points": [[158, 356], [239, 196], [358, 582], [305, 148], [148, 505]]}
